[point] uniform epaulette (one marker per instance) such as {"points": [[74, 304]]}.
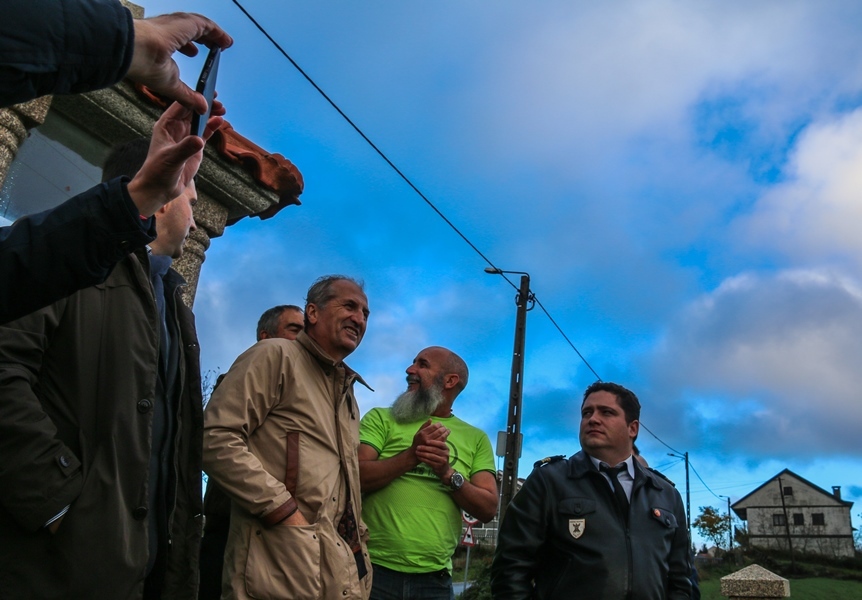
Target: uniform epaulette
{"points": [[548, 460], [662, 475]]}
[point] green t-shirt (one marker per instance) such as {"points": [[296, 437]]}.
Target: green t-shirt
{"points": [[413, 523]]}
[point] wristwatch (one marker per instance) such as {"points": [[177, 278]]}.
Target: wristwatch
{"points": [[456, 481]]}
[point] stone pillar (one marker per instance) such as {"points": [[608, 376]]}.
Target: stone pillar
{"points": [[14, 123], [754, 583], [210, 218]]}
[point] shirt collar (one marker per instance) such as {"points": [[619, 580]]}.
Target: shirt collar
{"points": [[630, 469]]}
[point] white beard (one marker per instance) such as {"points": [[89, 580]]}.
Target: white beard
{"points": [[417, 405]]}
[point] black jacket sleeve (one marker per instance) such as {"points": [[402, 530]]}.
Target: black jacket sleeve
{"points": [[49, 255], [521, 537], [62, 47], [40, 474], [680, 583]]}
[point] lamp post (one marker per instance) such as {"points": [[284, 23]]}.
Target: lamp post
{"points": [[729, 525], [687, 492], [516, 388]]}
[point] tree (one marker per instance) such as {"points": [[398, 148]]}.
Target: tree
{"points": [[713, 525]]}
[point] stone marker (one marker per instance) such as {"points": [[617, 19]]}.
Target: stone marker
{"points": [[754, 582]]}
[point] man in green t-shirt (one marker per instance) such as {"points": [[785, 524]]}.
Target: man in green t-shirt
{"points": [[419, 466]]}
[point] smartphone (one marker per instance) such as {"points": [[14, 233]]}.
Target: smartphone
{"points": [[206, 86]]}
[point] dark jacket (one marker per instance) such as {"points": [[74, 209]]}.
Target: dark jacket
{"points": [[564, 532], [77, 383], [49, 255], [62, 47]]}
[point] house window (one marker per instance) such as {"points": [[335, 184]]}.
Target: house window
{"points": [[788, 491], [818, 519], [778, 519], [798, 519]]}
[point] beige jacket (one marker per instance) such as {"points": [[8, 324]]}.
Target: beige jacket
{"points": [[282, 431]]}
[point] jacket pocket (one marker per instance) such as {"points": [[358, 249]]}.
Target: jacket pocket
{"points": [[291, 470], [576, 506], [664, 516], [283, 562]]}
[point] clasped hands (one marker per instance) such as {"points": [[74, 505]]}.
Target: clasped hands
{"points": [[429, 446]]}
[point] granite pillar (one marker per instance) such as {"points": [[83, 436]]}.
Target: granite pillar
{"points": [[754, 583], [14, 123]]}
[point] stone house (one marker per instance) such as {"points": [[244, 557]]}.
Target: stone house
{"points": [[790, 512]]}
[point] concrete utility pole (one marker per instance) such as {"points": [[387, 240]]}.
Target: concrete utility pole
{"points": [[516, 388], [729, 527], [687, 492]]}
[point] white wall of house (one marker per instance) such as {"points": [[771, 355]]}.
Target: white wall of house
{"points": [[818, 522]]}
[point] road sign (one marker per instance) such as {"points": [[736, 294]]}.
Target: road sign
{"points": [[467, 540], [469, 519]]}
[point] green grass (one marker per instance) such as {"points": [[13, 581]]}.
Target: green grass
{"points": [[815, 578], [800, 589]]}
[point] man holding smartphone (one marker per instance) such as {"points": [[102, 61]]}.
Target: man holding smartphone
{"points": [[100, 429], [87, 46]]}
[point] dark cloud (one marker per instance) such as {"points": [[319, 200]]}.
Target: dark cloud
{"points": [[767, 365]]}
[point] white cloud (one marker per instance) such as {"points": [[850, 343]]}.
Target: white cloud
{"points": [[815, 214], [768, 364], [598, 73]]}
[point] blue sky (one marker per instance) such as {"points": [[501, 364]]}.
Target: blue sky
{"points": [[680, 180]]}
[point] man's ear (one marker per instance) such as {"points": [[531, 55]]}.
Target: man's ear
{"points": [[311, 313], [263, 335], [634, 428], [450, 381]]}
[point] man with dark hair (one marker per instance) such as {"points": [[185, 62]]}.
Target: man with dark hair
{"points": [[47, 48], [597, 525], [100, 422], [284, 321], [420, 467], [280, 437]]}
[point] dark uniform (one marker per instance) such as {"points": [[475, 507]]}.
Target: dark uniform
{"points": [[565, 537]]}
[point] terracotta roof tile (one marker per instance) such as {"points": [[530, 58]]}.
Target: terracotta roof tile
{"points": [[272, 171]]}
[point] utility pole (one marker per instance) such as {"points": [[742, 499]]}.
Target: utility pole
{"points": [[516, 388], [729, 527], [787, 526], [687, 493]]}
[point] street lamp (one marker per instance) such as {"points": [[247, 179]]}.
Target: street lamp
{"points": [[729, 525], [516, 388], [687, 492]]}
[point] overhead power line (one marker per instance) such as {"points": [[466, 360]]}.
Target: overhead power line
{"points": [[418, 191], [400, 173]]}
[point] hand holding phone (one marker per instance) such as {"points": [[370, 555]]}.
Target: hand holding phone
{"points": [[206, 87]]}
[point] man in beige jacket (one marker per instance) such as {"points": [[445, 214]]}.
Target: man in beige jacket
{"points": [[280, 437]]}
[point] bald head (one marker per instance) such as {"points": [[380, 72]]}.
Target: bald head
{"points": [[441, 366]]}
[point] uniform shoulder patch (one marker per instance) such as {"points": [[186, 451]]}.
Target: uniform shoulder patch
{"points": [[662, 475], [548, 460]]}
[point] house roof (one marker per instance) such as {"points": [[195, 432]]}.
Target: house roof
{"points": [[740, 504], [272, 171]]}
